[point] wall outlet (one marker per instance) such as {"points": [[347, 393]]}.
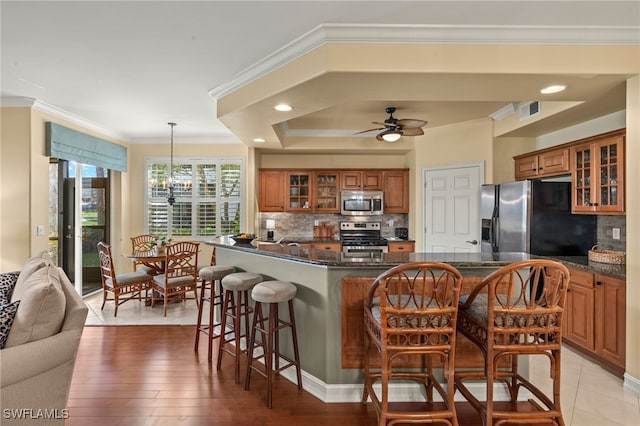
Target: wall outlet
{"points": [[390, 222], [40, 230], [615, 233]]}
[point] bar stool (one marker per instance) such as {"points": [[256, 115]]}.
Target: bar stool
{"points": [[236, 288], [210, 277], [272, 292]]}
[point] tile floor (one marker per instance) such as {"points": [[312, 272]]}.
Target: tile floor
{"points": [[591, 396]]}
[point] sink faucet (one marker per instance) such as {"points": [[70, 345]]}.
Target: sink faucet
{"points": [[279, 241]]}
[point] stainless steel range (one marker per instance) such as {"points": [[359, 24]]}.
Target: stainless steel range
{"points": [[362, 239]]}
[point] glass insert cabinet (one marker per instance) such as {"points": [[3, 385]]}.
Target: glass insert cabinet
{"points": [[598, 175]]}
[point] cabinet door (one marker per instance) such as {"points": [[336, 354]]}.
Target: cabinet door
{"points": [[554, 162], [526, 167], [298, 195], [400, 246], [396, 191], [372, 181], [271, 191], [610, 175], [580, 309], [326, 192], [610, 319], [598, 176], [351, 181]]}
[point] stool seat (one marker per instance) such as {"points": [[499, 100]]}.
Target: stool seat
{"points": [[273, 292], [241, 281], [216, 272]]}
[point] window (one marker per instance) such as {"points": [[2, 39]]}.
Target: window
{"points": [[208, 197]]}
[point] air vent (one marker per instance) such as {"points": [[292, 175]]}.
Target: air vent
{"points": [[529, 109]]}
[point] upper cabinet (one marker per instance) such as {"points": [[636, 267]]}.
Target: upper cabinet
{"points": [[318, 190], [327, 191], [596, 165], [543, 163], [362, 180], [598, 174], [271, 191], [396, 191], [298, 191]]}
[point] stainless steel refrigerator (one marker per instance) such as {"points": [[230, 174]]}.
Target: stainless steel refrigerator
{"points": [[534, 217]]}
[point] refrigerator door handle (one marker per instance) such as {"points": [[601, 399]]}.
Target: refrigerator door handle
{"points": [[495, 231]]}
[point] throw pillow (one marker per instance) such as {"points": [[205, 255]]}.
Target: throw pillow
{"points": [[36, 262], [42, 307], [7, 282], [7, 315]]}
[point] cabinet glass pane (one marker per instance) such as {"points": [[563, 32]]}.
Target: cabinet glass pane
{"points": [[579, 181], [579, 159], [614, 195], [604, 196], [613, 153], [604, 155], [579, 197], [613, 175]]}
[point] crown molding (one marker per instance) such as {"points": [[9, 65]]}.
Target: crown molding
{"points": [[595, 35], [24, 102]]}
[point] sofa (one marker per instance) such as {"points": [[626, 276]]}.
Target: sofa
{"points": [[40, 343]]}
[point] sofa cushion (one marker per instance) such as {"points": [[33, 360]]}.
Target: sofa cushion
{"points": [[42, 307], [7, 315], [7, 283], [36, 262]]}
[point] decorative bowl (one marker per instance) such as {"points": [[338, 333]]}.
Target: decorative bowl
{"points": [[243, 239]]}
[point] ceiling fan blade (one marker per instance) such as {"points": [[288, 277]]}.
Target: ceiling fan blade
{"points": [[383, 124], [410, 123], [370, 130], [412, 131]]}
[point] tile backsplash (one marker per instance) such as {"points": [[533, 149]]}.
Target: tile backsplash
{"points": [[292, 226], [605, 226]]}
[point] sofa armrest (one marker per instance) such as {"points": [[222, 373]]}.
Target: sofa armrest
{"points": [[22, 362]]}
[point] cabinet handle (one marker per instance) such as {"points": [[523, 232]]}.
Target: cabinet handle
{"points": [[598, 282], [540, 168]]}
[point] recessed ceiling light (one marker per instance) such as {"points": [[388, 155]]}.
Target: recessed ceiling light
{"points": [[283, 107], [553, 89], [259, 140]]}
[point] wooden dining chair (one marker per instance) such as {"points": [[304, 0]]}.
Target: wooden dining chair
{"points": [[517, 310], [131, 285], [180, 275], [410, 315], [142, 243]]}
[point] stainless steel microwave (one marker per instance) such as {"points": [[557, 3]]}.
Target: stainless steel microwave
{"points": [[361, 203]]}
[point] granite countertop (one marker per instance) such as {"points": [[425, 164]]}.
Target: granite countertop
{"points": [[459, 260]]}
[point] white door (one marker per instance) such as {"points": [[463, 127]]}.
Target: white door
{"points": [[451, 208]]}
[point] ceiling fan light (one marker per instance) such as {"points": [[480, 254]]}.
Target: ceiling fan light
{"points": [[391, 135]]}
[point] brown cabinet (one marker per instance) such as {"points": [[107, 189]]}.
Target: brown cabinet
{"points": [[298, 191], [542, 163], [396, 191], [329, 245], [598, 174], [326, 192], [595, 316], [362, 180], [271, 197], [399, 246]]}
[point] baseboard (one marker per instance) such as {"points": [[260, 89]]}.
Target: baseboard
{"points": [[631, 384], [399, 391]]}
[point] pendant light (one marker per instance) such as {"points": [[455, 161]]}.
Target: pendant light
{"points": [[170, 197]]}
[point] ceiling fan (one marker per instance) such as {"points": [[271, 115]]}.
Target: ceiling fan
{"points": [[395, 128]]}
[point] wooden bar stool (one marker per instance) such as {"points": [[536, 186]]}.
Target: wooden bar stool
{"points": [[210, 277], [236, 288], [272, 292]]}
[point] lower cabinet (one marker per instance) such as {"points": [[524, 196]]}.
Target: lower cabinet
{"points": [[594, 318], [337, 246], [399, 246]]}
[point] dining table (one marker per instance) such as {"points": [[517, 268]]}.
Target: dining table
{"points": [[153, 259]]}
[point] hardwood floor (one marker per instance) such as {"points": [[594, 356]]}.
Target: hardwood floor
{"points": [[150, 375]]}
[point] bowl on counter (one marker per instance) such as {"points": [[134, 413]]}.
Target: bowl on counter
{"points": [[243, 238]]}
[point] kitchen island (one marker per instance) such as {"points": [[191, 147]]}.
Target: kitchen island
{"points": [[328, 303]]}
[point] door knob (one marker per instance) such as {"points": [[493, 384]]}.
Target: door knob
{"points": [[474, 242]]}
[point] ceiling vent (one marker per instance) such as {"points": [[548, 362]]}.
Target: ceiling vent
{"points": [[529, 109]]}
